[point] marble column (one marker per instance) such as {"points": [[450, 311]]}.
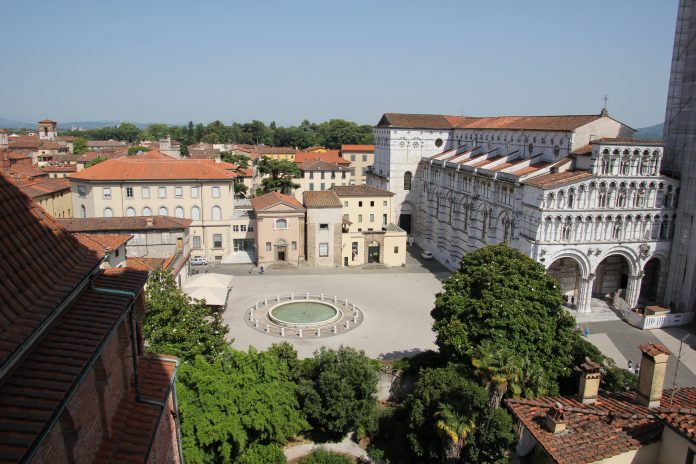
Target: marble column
{"points": [[633, 289], [585, 294]]}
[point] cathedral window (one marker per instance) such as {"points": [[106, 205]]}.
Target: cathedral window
{"points": [[664, 230], [408, 177], [438, 143], [566, 230], [484, 226], [621, 199], [602, 203], [531, 148], [571, 199], [556, 150], [616, 234]]}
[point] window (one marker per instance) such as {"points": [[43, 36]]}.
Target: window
{"points": [[268, 246], [352, 157], [408, 177], [352, 171], [106, 193], [359, 217], [364, 158], [163, 211], [235, 228], [243, 228], [556, 150], [323, 186], [343, 175], [217, 240], [293, 246], [281, 224], [323, 227], [345, 203], [216, 192], [372, 203], [322, 174], [396, 250], [372, 218], [108, 212], [217, 213], [531, 148], [147, 211], [145, 192], [194, 192], [179, 212], [384, 219], [250, 228], [178, 192], [166, 238], [129, 192], [311, 187], [323, 249], [83, 211], [195, 213], [163, 192], [130, 212], [311, 175], [438, 143], [384, 203], [81, 190], [360, 203]]}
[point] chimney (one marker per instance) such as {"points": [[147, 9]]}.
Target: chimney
{"points": [[651, 380], [149, 222], [555, 421], [589, 382]]}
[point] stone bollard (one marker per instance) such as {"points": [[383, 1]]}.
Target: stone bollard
{"points": [[256, 323], [334, 329], [318, 332], [347, 324], [347, 303], [335, 299], [282, 331], [321, 296], [256, 306], [355, 318], [292, 296], [251, 316], [277, 298], [353, 306], [307, 296], [299, 334], [268, 329], [265, 301]]}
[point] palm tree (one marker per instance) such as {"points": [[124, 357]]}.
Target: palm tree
{"points": [[454, 430], [500, 369]]}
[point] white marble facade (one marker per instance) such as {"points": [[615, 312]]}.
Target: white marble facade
{"points": [[599, 216]]}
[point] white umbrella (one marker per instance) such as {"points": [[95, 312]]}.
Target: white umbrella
{"points": [[211, 287]]}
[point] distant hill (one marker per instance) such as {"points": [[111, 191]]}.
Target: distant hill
{"points": [[652, 132], [12, 124], [96, 124]]}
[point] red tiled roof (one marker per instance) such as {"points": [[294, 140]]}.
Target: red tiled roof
{"points": [[136, 422], [55, 168], [275, 151], [556, 179], [145, 264], [105, 143], [438, 121], [274, 198], [153, 154], [42, 186], [360, 191], [47, 121], [615, 424], [146, 169], [583, 150], [357, 147], [123, 223], [330, 156], [104, 242], [321, 199], [24, 141], [41, 265], [320, 165]]}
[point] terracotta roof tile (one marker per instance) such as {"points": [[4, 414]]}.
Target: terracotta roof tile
{"points": [[330, 156], [153, 154], [556, 179], [438, 121], [145, 264], [275, 150], [360, 191], [147, 169], [42, 186], [357, 147], [274, 198], [103, 242], [320, 165], [123, 223], [321, 199]]}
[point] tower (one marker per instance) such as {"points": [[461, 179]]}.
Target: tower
{"points": [[48, 129], [680, 158]]}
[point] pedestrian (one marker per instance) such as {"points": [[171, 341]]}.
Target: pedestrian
{"points": [[587, 331], [260, 269], [630, 365], [251, 269]]}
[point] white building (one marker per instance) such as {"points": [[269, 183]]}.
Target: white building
{"points": [[598, 215]]}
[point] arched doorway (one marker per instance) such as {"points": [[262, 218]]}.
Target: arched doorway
{"points": [[649, 282], [567, 272], [405, 216], [611, 275]]}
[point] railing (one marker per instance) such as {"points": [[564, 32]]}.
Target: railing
{"points": [[649, 322]]}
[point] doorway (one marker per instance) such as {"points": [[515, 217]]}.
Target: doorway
{"points": [[373, 253], [405, 222], [281, 252]]}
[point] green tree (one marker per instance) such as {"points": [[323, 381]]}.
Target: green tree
{"points": [[134, 150], [178, 325], [242, 161], [322, 456], [156, 131], [234, 401], [338, 390], [501, 295], [281, 173], [94, 161], [500, 369], [262, 454], [240, 190], [445, 401], [80, 146]]}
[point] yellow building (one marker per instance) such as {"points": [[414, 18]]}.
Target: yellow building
{"points": [[53, 195], [361, 157], [277, 153], [318, 175], [280, 230], [200, 190]]}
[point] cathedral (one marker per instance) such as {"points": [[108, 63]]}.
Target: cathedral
{"points": [[576, 193]]}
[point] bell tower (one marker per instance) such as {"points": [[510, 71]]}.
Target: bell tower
{"points": [[48, 129]]}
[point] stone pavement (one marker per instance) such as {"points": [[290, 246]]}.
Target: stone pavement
{"points": [[346, 446], [620, 340]]}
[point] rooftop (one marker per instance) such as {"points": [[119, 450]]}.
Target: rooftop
{"points": [[320, 165], [557, 179], [321, 199], [157, 169], [42, 186], [330, 156], [274, 198], [357, 147], [360, 191], [135, 223], [102, 243], [627, 141]]}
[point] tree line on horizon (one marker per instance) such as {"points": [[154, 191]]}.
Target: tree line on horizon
{"points": [[330, 134]]}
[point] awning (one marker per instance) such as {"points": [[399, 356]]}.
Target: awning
{"points": [[213, 288]]}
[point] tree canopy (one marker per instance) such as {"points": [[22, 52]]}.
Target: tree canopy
{"points": [[96, 160], [79, 146], [178, 325], [233, 402], [280, 172], [502, 296]]}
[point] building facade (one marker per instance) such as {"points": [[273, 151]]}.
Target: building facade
{"points": [[280, 230], [361, 157], [318, 175]]}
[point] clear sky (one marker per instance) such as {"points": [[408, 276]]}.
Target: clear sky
{"points": [[174, 61]]}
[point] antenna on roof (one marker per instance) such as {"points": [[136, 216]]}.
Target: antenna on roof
{"points": [[605, 111]]}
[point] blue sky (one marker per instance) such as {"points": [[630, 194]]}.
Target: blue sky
{"points": [[174, 61]]}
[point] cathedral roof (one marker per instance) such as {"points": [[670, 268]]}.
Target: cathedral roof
{"points": [[440, 121], [556, 179]]}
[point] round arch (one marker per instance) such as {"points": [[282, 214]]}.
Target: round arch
{"points": [[567, 272]]}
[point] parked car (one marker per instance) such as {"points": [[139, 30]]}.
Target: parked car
{"points": [[199, 260], [425, 254]]}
